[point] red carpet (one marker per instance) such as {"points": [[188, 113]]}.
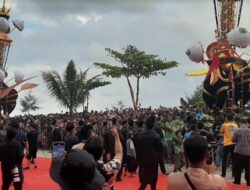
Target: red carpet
{"points": [[38, 179]]}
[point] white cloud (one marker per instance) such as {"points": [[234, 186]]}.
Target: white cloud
{"points": [[98, 18], [82, 19], [78, 19]]}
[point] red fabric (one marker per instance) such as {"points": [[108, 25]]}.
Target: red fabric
{"points": [[38, 179], [215, 64]]}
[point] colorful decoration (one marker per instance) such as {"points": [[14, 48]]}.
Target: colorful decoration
{"points": [[18, 24], [227, 81], [195, 53], [239, 37], [4, 25], [198, 73], [8, 95]]}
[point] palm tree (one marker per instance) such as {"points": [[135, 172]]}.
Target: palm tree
{"points": [[29, 103], [91, 84], [72, 89]]}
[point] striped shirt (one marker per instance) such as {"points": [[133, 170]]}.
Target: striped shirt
{"points": [[242, 139]]}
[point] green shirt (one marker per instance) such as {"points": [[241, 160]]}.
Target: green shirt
{"points": [[178, 145], [171, 127]]}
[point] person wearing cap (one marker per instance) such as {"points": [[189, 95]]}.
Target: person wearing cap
{"points": [[76, 171], [196, 178], [11, 156], [70, 138], [241, 138]]}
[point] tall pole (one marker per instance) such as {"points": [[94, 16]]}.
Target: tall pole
{"points": [[241, 91], [227, 17]]}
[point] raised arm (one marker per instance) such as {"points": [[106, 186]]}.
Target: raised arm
{"points": [[118, 145]]}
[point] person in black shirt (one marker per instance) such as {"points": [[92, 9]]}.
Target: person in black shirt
{"points": [[20, 136], [158, 129], [56, 133], [149, 152], [78, 129], [32, 137], [70, 138], [2, 133], [11, 156]]}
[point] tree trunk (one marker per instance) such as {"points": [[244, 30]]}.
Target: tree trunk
{"points": [[70, 110], [83, 106], [131, 93], [87, 103], [137, 91]]}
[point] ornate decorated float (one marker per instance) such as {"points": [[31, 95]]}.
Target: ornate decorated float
{"points": [[8, 93], [228, 75]]}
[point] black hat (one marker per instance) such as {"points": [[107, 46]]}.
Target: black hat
{"points": [[76, 171]]}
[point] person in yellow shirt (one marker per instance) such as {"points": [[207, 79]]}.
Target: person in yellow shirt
{"points": [[227, 129]]}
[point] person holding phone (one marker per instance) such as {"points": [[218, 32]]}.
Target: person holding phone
{"points": [[58, 149], [95, 147]]}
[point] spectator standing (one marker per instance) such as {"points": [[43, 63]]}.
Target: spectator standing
{"points": [[32, 137], [11, 156], [57, 132], [169, 130], [108, 169], [20, 137], [178, 151], [242, 152], [70, 139], [196, 152], [149, 151], [228, 129], [131, 155], [159, 130], [2, 133]]}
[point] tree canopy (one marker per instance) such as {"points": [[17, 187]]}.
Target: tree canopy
{"points": [[29, 103], [72, 88], [135, 63]]}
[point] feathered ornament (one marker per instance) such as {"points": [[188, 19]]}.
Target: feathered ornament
{"points": [[195, 53]]}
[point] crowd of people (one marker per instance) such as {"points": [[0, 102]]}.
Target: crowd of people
{"points": [[102, 147]]}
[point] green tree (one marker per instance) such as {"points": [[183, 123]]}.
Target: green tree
{"points": [[135, 63], [29, 103], [195, 99], [89, 85], [72, 88]]}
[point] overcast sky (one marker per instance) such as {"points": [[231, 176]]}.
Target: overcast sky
{"points": [[57, 31]]}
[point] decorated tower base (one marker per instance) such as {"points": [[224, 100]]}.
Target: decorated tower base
{"points": [[8, 94]]}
